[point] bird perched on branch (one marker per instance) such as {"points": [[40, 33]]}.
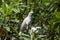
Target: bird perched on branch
{"points": [[27, 20]]}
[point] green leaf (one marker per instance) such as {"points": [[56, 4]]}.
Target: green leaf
{"points": [[5, 7], [57, 14], [7, 28]]}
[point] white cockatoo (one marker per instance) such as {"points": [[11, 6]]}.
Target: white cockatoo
{"points": [[27, 20]]}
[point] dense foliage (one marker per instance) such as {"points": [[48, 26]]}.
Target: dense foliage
{"points": [[46, 17]]}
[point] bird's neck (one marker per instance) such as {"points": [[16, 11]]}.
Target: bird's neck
{"points": [[29, 15]]}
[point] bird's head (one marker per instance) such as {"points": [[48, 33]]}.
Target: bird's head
{"points": [[30, 13]]}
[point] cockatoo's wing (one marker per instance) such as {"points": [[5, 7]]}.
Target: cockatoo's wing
{"points": [[23, 24], [26, 21]]}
